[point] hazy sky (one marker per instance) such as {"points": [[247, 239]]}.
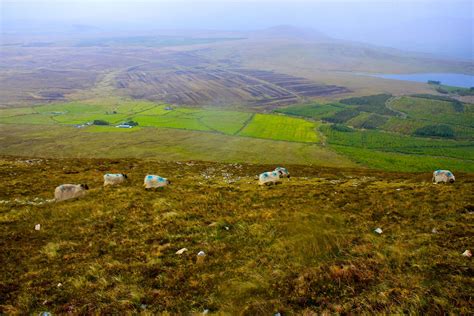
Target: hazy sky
{"points": [[442, 27]]}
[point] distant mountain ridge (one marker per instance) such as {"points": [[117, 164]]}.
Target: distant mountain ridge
{"points": [[290, 32]]}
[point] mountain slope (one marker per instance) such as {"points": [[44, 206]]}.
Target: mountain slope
{"points": [[307, 245]]}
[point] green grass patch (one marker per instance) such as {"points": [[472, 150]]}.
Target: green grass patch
{"points": [[371, 103], [27, 119], [403, 126], [161, 143], [227, 122], [171, 121], [438, 111], [342, 116], [87, 117], [71, 108], [455, 90], [156, 110], [16, 111], [393, 161], [316, 111], [383, 142], [279, 127]]}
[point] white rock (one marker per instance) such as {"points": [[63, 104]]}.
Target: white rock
{"points": [[181, 251], [201, 253], [434, 231], [467, 253], [37, 226], [378, 230], [205, 312], [60, 284]]}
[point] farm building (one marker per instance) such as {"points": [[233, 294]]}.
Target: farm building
{"points": [[124, 126]]}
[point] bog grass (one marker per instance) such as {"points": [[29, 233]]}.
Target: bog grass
{"points": [[306, 246]]}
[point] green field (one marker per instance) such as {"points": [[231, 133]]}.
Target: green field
{"points": [[315, 111], [400, 152], [280, 127], [149, 114], [26, 119], [436, 111]]}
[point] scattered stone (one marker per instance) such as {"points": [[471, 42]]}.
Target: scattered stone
{"points": [[226, 227], [60, 284], [143, 306], [201, 256], [467, 253], [205, 312], [277, 314], [181, 251], [378, 230], [399, 189], [37, 226], [45, 314], [434, 231]]}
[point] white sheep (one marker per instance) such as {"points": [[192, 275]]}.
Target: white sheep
{"points": [[70, 191], [114, 178], [443, 176], [268, 178], [153, 181]]}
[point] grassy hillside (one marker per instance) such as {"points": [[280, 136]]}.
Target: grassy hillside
{"points": [[305, 246], [159, 143]]}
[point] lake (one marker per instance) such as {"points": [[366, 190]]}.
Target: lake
{"points": [[449, 79]]}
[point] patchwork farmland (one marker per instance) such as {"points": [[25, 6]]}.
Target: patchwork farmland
{"points": [[153, 115], [377, 131]]}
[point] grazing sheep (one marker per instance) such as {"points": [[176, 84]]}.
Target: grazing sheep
{"points": [[268, 178], [443, 176], [114, 178], [152, 181], [70, 191], [283, 172]]}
